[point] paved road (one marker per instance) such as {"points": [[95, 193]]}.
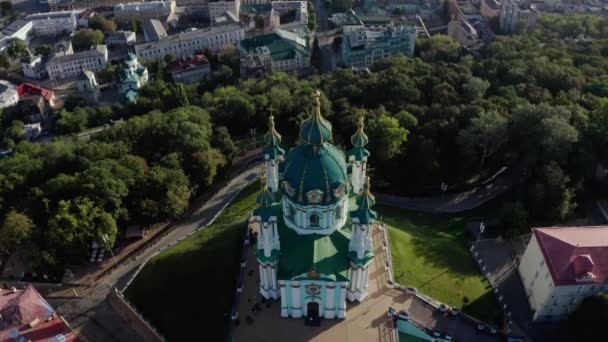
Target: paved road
{"points": [[90, 314], [452, 203]]}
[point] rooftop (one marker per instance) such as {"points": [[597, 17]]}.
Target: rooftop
{"points": [[279, 47], [96, 52], [323, 254], [15, 26], [190, 35], [154, 30], [51, 15], [190, 63], [569, 251]]}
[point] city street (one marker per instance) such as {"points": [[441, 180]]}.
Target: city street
{"points": [[90, 314]]}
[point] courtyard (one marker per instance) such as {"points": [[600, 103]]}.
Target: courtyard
{"points": [[193, 282], [430, 252]]}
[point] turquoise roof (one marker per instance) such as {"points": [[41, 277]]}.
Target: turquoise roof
{"points": [[280, 48], [365, 201], [265, 199], [359, 141], [322, 257], [315, 164], [408, 332], [309, 167], [315, 130], [272, 140]]}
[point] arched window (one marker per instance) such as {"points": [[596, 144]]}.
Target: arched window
{"points": [[338, 212], [314, 220], [290, 212]]}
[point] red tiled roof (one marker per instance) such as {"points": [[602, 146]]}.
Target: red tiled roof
{"points": [[28, 89], [20, 308], [192, 62], [572, 252]]}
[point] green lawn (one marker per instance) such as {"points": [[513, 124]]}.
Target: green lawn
{"points": [[430, 252], [187, 290]]}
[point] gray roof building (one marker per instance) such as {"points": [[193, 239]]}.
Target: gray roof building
{"points": [[154, 30]]}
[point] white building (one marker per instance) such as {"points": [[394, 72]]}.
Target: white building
{"points": [[517, 15], [464, 33], [88, 87], [72, 65], [561, 266], [18, 29], [362, 48], [218, 8], [8, 94], [144, 10], [121, 38], [33, 67], [187, 43], [54, 23]]}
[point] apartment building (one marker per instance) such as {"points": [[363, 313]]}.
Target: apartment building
{"points": [[561, 266], [68, 5], [125, 12], [33, 67], [187, 43], [218, 8], [363, 47], [278, 51], [63, 65], [18, 29], [517, 15], [53, 23], [190, 70]]}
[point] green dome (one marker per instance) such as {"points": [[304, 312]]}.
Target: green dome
{"points": [[272, 139], [365, 201], [359, 141], [315, 130], [315, 174]]}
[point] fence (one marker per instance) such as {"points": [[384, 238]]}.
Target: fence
{"points": [[135, 320]]}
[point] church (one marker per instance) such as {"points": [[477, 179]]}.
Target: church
{"points": [[315, 221]]}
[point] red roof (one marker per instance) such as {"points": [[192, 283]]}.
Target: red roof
{"points": [[22, 307], [575, 255], [29, 89], [192, 62]]}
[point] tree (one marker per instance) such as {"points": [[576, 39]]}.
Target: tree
{"points": [[513, 218], [484, 136], [17, 49], [259, 22], [223, 141], [475, 88], [87, 38], [552, 196], [438, 48], [6, 7], [5, 61], [102, 24], [386, 136], [170, 58], [341, 5], [315, 55], [15, 229], [43, 50], [588, 321], [72, 122]]}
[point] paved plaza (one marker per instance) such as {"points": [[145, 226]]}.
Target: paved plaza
{"points": [[365, 322]]}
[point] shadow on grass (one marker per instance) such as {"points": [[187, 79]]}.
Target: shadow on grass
{"points": [[485, 307], [187, 290], [440, 239]]}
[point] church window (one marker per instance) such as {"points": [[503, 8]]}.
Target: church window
{"points": [[314, 220], [290, 212], [338, 212]]}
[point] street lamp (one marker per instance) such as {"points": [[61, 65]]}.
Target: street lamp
{"points": [[105, 239], [444, 188], [253, 132], [482, 227]]}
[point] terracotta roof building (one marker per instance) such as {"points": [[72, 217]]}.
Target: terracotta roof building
{"points": [[190, 70], [561, 266], [26, 316]]}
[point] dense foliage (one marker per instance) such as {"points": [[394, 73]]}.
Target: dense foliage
{"points": [[535, 103], [66, 193]]}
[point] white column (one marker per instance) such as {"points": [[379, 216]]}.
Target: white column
{"points": [[284, 303], [330, 308], [261, 276], [295, 303], [273, 272], [353, 279], [365, 278], [360, 279]]}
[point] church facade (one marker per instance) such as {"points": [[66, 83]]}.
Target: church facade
{"points": [[315, 221]]}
